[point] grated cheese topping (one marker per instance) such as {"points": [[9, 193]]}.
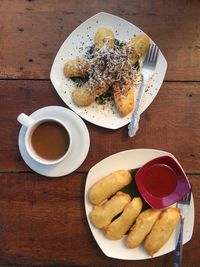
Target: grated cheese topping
{"points": [[110, 65]]}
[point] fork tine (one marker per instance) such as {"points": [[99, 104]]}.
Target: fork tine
{"points": [[186, 198], [148, 54], [152, 54]]}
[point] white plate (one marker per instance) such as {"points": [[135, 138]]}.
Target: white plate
{"points": [[130, 159], [84, 34], [80, 142]]}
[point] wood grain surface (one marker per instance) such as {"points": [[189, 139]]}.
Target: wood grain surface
{"points": [[32, 32], [171, 123], [42, 220]]}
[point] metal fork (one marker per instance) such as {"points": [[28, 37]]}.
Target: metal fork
{"points": [[183, 204], [149, 65]]}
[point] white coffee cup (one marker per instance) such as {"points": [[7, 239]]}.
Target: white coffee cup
{"points": [[38, 141]]}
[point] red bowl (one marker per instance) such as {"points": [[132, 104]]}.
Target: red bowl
{"points": [[162, 182]]}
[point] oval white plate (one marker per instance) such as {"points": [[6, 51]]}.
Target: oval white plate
{"points": [[83, 36], [80, 142], [130, 159]]}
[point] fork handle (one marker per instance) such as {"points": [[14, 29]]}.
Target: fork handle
{"points": [[134, 124], [178, 253]]}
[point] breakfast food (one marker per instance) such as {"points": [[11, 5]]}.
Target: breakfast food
{"points": [[102, 215], [162, 230], [122, 224], [109, 185], [124, 97], [137, 47], [104, 37], [117, 214], [142, 227], [84, 96], [110, 66], [77, 67]]}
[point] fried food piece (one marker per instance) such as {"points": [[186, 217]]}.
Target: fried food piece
{"points": [[124, 97], [77, 67], [142, 227], [85, 95], [122, 224], [137, 47], [109, 185], [162, 230], [82, 96], [103, 37], [102, 215], [98, 87]]}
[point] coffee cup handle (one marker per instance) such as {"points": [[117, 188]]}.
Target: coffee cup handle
{"points": [[25, 120]]}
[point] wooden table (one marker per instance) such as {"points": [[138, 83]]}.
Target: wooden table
{"points": [[42, 220]]}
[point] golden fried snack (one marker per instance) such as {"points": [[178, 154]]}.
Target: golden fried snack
{"points": [[98, 88], [109, 185], [82, 96], [142, 227], [124, 97], [77, 67], [162, 230], [122, 224], [85, 95], [103, 37], [137, 47], [102, 215]]}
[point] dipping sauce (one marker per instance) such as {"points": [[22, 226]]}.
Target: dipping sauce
{"points": [[50, 140], [160, 180]]}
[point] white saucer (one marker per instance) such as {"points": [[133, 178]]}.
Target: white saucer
{"points": [[80, 147]]}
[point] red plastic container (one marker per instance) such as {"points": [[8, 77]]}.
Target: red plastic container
{"points": [[162, 182]]}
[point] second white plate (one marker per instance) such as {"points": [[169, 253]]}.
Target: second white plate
{"points": [[130, 159]]}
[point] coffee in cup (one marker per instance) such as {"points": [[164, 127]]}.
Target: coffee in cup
{"points": [[47, 140]]}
